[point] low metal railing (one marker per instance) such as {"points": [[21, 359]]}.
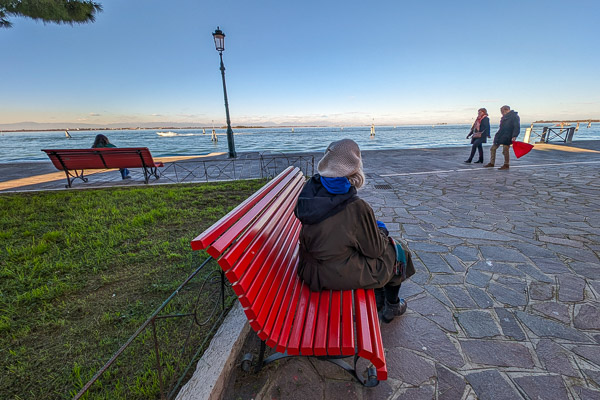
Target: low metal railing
{"points": [[206, 300], [547, 133], [263, 166]]}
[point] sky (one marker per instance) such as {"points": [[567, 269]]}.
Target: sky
{"points": [[328, 63]]}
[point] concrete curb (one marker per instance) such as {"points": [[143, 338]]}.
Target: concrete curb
{"points": [[208, 381]]}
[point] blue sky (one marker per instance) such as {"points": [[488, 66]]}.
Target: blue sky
{"points": [[306, 62]]}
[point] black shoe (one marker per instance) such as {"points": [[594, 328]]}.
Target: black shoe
{"points": [[393, 310], [467, 161], [479, 162]]}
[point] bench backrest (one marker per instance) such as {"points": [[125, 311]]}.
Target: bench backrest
{"points": [[101, 158], [256, 245]]}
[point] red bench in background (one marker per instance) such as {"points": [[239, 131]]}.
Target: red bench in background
{"points": [[75, 161], [256, 245]]}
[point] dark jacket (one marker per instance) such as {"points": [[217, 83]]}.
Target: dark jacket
{"points": [[108, 145], [484, 128], [510, 127], [341, 246]]}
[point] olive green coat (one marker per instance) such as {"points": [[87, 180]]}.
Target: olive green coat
{"points": [[347, 251]]}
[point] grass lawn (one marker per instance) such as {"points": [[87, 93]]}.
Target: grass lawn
{"points": [[80, 270]]}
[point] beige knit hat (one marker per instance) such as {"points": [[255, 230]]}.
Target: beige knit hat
{"points": [[342, 159]]}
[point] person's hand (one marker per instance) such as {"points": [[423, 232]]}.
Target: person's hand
{"points": [[513, 139]]}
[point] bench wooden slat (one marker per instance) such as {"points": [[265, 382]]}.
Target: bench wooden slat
{"points": [[334, 347], [286, 274], [263, 299], [283, 323], [373, 318], [268, 314], [228, 237], [252, 283], [211, 234], [320, 344], [261, 228], [258, 293], [244, 271], [310, 322], [363, 331], [293, 347], [382, 373], [347, 324]]}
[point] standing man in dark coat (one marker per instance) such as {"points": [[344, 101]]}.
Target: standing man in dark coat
{"points": [[510, 127]]}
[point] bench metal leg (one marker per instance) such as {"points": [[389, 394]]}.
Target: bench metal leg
{"points": [[72, 175], [148, 171], [370, 381]]}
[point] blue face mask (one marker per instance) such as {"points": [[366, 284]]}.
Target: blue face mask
{"points": [[336, 185]]}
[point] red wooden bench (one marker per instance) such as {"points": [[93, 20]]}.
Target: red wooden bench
{"points": [[256, 245], [75, 161]]}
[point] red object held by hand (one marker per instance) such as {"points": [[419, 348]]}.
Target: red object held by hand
{"points": [[521, 148]]}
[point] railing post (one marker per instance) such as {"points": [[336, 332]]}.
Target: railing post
{"points": [[527, 135], [158, 366], [222, 289], [545, 135], [570, 133]]}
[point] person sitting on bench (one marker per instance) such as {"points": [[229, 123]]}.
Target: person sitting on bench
{"points": [[342, 245], [101, 141]]}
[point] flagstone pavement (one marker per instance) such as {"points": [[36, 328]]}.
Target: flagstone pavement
{"points": [[505, 303]]}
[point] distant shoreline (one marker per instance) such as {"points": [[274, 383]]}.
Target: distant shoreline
{"points": [[567, 120], [167, 128]]}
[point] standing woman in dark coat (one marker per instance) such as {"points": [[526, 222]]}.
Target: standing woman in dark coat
{"points": [[480, 131], [342, 245]]}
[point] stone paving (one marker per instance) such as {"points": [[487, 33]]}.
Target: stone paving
{"points": [[505, 303]]}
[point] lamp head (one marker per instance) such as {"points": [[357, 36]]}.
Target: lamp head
{"points": [[219, 37]]}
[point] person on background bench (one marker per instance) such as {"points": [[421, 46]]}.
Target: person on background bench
{"points": [[342, 245], [510, 127], [101, 141]]}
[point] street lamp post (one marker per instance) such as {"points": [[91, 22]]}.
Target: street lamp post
{"points": [[219, 37]]}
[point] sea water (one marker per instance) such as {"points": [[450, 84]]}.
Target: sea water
{"points": [[27, 146]]}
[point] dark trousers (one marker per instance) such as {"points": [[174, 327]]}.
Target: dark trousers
{"points": [[477, 145], [388, 292]]}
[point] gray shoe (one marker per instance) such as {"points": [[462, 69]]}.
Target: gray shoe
{"points": [[393, 310]]}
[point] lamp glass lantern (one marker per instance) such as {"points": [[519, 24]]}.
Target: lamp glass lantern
{"points": [[219, 37]]}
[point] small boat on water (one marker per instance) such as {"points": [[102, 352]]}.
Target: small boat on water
{"points": [[167, 134], [67, 134]]}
